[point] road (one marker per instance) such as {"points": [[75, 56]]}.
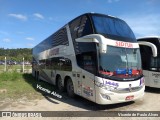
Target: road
{"points": [[150, 102]]}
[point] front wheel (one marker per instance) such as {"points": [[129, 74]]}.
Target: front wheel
{"points": [[70, 88]]}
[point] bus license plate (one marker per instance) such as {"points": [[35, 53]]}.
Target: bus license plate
{"points": [[130, 97]]}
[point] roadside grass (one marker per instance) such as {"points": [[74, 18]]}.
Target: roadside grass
{"points": [[14, 85], [14, 67]]}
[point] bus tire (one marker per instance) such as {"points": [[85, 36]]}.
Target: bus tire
{"points": [[59, 84], [70, 88], [37, 76]]}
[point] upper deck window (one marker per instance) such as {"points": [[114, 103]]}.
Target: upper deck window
{"points": [[113, 28], [80, 27]]}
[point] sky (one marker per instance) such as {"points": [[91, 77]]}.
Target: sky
{"points": [[25, 23]]}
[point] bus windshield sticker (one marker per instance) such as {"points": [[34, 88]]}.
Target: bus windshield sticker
{"points": [[121, 71]]}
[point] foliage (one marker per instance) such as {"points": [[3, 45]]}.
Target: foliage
{"points": [[16, 54]]}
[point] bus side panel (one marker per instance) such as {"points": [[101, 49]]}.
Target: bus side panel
{"points": [[88, 86], [154, 78], [146, 76]]}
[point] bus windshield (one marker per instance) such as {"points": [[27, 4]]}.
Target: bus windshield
{"points": [[155, 62], [112, 28], [120, 63], [149, 62]]}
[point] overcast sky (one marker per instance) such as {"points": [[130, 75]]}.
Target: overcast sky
{"points": [[25, 23]]}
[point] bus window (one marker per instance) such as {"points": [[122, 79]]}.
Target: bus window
{"points": [[48, 63], [80, 27], [61, 63], [66, 64], [42, 64], [113, 28], [87, 61], [155, 63], [86, 58], [144, 56]]}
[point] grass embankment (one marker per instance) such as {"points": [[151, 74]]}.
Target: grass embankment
{"points": [[14, 67], [14, 85]]}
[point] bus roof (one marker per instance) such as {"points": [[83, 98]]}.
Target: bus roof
{"points": [[148, 37], [89, 14], [92, 13], [153, 39]]}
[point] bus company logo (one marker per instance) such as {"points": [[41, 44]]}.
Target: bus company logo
{"points": [[88, 91], [112, 83], [54, 52], [156, 75], [124, 44], [130, 87], [6, 114]]}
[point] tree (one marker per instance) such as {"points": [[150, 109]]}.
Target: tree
{"points": [[16, 54]]}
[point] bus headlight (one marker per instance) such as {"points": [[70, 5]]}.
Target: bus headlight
{"points": [[105, 96]]}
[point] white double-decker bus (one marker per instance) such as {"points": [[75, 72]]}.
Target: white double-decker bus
{"points": [[95, 56], [150, 63]]}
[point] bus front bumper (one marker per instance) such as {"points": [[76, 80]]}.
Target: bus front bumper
{"points": [[107, 97]]}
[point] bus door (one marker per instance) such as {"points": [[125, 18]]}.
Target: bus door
{"points": [[88, 88], [78, 82], [86, 56], [88, 75]]}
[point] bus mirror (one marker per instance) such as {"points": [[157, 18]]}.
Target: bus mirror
{"points": [[153, 47], [103, 48]]}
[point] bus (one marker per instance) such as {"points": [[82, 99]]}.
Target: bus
{"points": [[95, 56], [150, 63]]}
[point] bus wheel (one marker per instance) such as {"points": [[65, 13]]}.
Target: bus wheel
{"points": [[59, 84], [70, 88], [37, 76]]}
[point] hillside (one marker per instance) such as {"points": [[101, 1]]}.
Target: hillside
{"points": [[16, 54]]}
